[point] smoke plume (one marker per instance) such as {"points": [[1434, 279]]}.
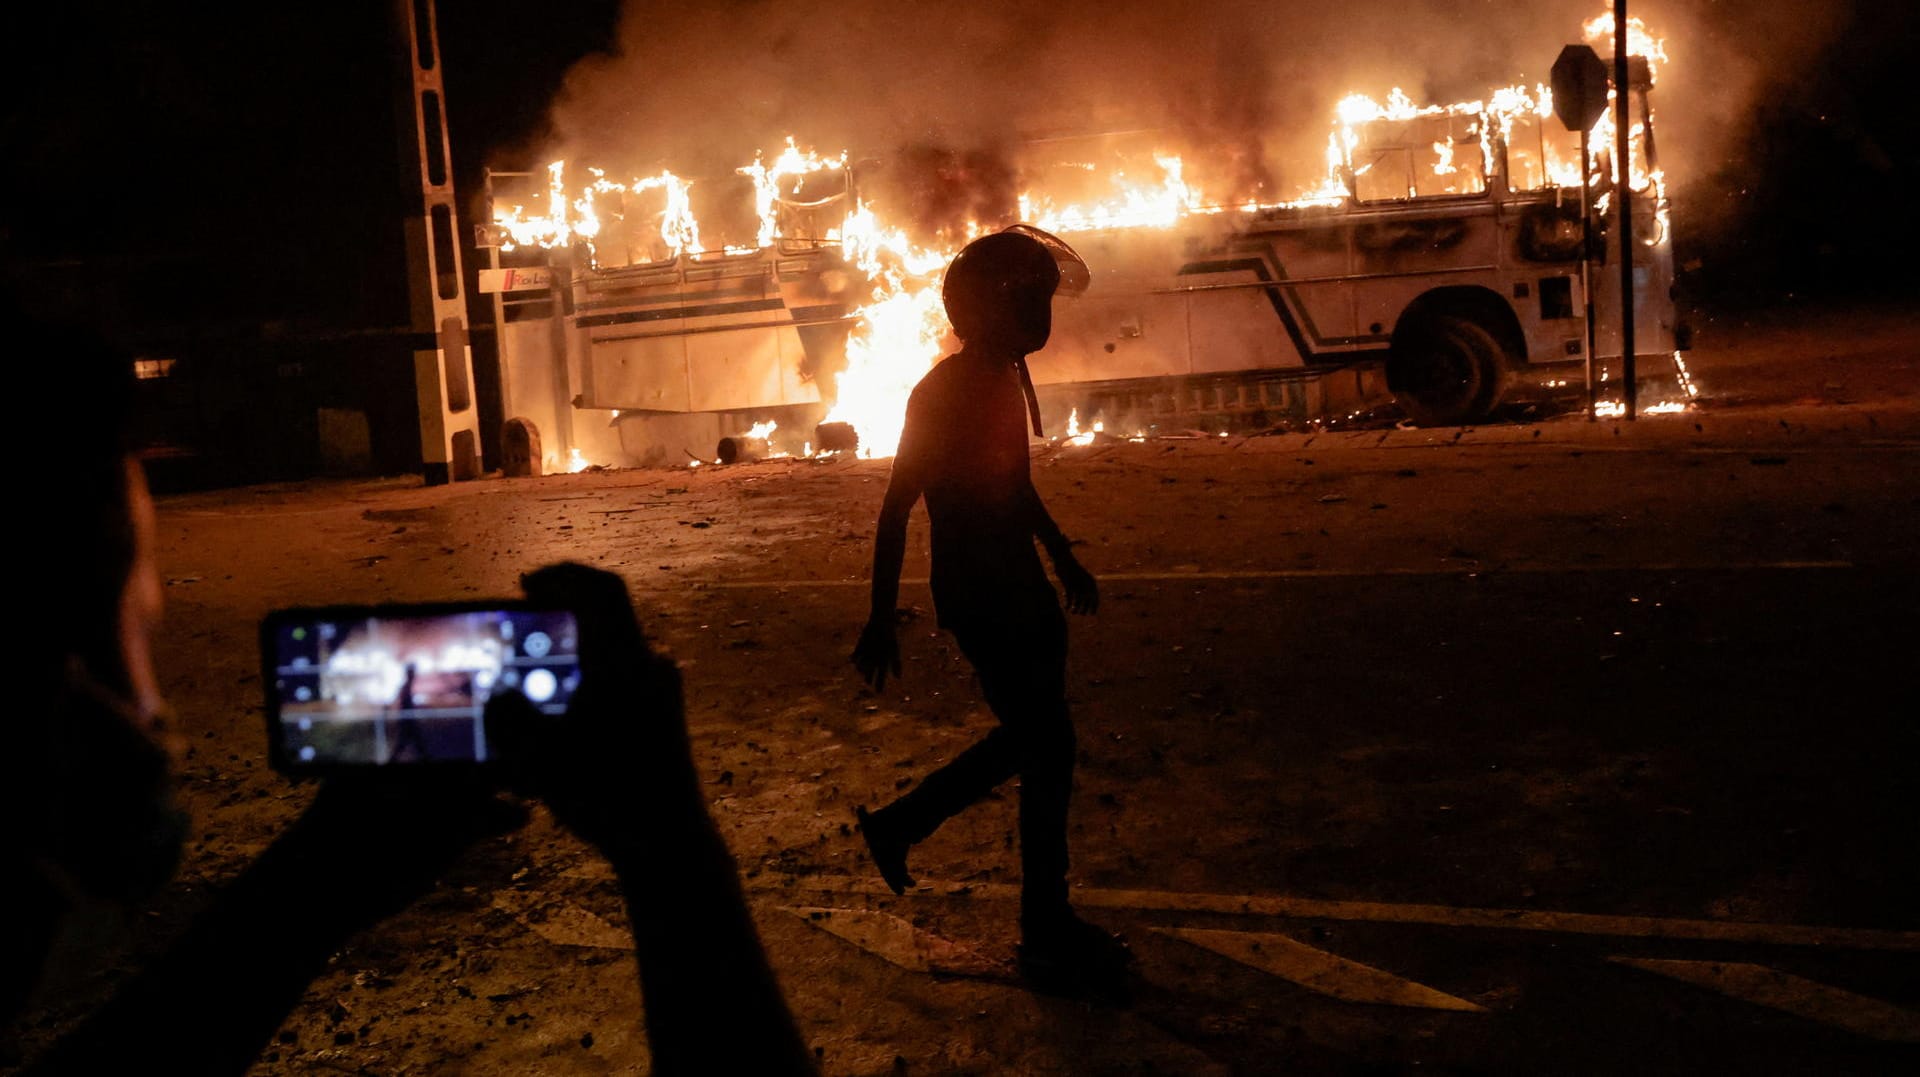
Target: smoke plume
{"points": [[946, 93]]}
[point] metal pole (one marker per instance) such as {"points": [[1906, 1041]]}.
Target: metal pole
{"points": [[1623, 195], [503, 366], [1586, 265], [560, 376]]}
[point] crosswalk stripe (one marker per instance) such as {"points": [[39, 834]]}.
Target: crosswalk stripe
{"points": [[560, 922], [896, 941], [1524, 568], [1318, 970], [1796, 995], [1301, 908]]}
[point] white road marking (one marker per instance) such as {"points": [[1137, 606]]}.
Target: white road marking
{"points": [[1298, 908], [560, 922], [1318, 970], [1796, 995], [1522, 569], [896, 941]]}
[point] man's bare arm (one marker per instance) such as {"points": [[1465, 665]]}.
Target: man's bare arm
{"points": [[1083, 594], [877, 654], [890, 541], [1049, 533]]}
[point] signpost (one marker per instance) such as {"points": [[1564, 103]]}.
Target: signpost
{"points": [[1623, 195], [1579, 97]]}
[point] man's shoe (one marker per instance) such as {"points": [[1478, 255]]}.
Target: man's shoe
{"points": [[889, 853], [1069, 956]]}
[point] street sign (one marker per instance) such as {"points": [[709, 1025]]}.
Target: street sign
{"points": [[1579, 87], [1579, 97]]}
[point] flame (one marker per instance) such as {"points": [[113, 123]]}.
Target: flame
{"points": [[897, 336], [767, 184], [1074, 434], [1160, 203], [1640, 41], [896, 341], [902, 330]]}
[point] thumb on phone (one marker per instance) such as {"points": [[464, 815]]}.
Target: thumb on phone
{"points": [[522, 741]]}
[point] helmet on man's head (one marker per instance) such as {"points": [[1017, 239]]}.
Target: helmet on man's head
{"points": [[999, 290], [994, 277]]}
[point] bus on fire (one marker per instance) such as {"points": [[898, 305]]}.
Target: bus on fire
{"points": [[1440, 263]]}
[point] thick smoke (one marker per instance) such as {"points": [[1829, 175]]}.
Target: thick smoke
{"points": [[949, 94]]}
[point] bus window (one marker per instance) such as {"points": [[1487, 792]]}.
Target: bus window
{"points": [[630, 232], [1542, 153], [811, 209], [1422, 157]]}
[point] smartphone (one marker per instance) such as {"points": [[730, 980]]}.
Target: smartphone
{"points": [[377, 686]]}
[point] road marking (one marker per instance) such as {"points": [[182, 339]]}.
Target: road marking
{"points": [[561, 922], [1298, 908], [1524, 569], [1809, 450], [1479, 570], [1318, 970], [1796, 995], [896, 941]]}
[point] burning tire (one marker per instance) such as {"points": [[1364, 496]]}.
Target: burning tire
{"points": [[1446, 370]]}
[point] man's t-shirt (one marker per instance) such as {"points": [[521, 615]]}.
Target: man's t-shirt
{"points": [[966, 442]]}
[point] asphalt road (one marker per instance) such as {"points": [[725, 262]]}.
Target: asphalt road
{"points": [[1557, 748]]}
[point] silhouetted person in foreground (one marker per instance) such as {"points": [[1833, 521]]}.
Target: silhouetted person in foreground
{"points": [[964, 448], [85, 786]]}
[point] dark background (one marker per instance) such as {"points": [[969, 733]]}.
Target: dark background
{"points": [[227, 188]]}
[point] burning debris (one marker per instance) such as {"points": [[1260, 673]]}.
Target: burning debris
{"points": [[755, 444], [839, 437]]}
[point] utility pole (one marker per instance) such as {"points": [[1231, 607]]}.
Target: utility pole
{"points": [[1623, 196], [442, 358]]}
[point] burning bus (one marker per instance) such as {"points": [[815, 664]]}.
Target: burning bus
{"points": [[1440, 261]]}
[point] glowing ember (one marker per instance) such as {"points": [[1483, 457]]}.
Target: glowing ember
{"points": [[1686, 377], [1615, 409]]}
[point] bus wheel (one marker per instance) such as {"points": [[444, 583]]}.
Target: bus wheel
{"points": [[1446, 370]]}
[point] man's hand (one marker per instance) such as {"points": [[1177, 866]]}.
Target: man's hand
{"points": [[878, 652], [376, 842], [1083, 593], [620, 754]]}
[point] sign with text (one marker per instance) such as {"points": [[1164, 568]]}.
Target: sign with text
{"points": [[527, 279]]}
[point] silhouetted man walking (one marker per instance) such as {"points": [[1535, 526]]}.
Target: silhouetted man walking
{"points": [[409, 744], [965, 449]]}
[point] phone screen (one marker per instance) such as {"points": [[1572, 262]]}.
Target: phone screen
{"points": [[388, 686]]}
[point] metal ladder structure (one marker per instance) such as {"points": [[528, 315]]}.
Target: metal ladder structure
{"points": [[442, 355]]}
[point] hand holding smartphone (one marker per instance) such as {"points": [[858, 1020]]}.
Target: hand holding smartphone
{"points": [[357, 687]]}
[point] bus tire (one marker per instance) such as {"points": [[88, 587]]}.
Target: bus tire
{"points": [[1446, 370]]}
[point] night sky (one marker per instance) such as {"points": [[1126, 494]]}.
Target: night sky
{"points": [[191, 168], [244, 166]]}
